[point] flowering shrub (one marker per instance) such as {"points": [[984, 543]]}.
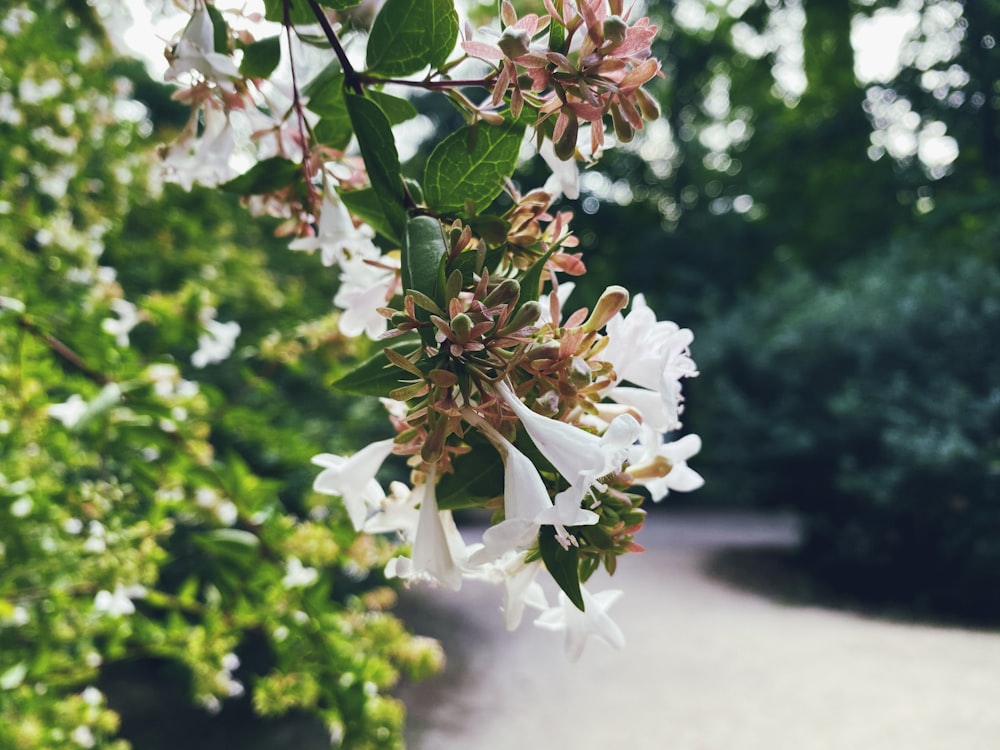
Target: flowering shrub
{"points": [[157, 400], [499, 399]]}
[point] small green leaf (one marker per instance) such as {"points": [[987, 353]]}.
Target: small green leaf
{"points": [[457, 174], [396, 108], [326, 93], [365, 204], [220, 30], [377, 376], [424, 252], [264, 177], [331, 76], [531, 284], [335, 132], [378, 149], [477, 477], [562, 564], [260, 58], [238, 537], [409, 35]]}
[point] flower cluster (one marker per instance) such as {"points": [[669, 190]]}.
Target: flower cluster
{"points": [[556, 424]]}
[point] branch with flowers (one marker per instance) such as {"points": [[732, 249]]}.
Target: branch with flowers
{"points": [[501, 396]]}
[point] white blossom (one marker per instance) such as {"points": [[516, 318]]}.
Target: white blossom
{"points": [[353, 479], [338, 239], [120, 327], [298, 575], [579, 626], [69, 411], [195, 51]]}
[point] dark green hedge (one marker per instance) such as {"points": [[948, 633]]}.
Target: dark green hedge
{"points": [[871, 404]]}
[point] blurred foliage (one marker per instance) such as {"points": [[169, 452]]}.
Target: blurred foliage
{"points": [[150, 507], [842, 294]]}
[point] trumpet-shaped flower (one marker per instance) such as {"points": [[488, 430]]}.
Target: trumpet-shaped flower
{"points": [[653, 355], [195, 51], [525, 500], [395, 513], [353, 479], [337, 238], [69, 411], [580, 456], [520, 589], [661, 466], [365, 288], [201, 159], [439, 552], [579, 626]]}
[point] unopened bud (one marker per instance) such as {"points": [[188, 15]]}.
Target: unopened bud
{"points": [[579, 372], [614, 30], [624, 131], [514, 42], [565, 144], [504, 293], [610, 304], [530, 312], [647, 105], [548, 351], [461, 324]]}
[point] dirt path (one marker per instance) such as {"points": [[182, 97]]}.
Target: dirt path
{"points": [[707, 667]]}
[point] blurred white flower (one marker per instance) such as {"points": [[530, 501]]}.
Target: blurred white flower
{"points": [[579, 626], [353, 479], [195, 51], [298, 575], [128, 318], [118, 603], [69, 411], [338, 239], [216, 343]]}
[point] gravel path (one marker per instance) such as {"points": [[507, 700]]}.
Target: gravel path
{"points": [[707, 667]]}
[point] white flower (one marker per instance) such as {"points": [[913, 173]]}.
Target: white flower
{"points": [[439, 552], [653, 457], [337, 238], [580, 456], [298, 575], [203, 160], [69, 411], [195, 50], [396, 512], [579, 626], [216, 343], [520, 589], [353, 479], [128, 318], [364, 288], [120, 602], [650, 354], [524, 500], [83, 736]]}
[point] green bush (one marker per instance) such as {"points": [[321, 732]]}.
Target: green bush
{"points": [[153, 510], [872, 405]]}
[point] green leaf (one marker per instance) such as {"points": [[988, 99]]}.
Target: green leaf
{"points": [[409, 35], [478, 477], [378, 149], [365, 204], [331, 76], [531, 284], [562, 564], [220, 30], [325, 92], [396, 108], [260, 58], [377, 376], [299, 11], [457, 173], [335, 132], [424, 252], [264, 177]]}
